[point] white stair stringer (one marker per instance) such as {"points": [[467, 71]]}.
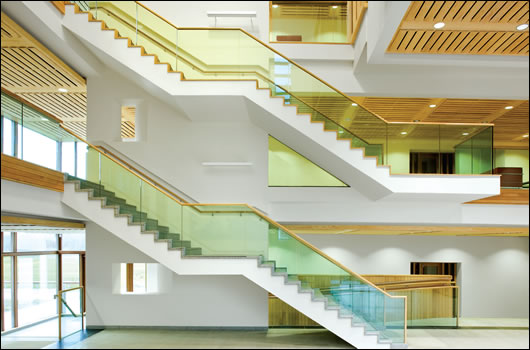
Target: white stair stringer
{"points": [[282, 121], [94, 209]]}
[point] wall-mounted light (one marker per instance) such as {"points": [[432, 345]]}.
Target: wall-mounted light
{"points": [[226, 163]]}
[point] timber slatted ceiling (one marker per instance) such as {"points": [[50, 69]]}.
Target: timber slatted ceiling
{"points": [[471, 27], [510, 124], [31, 71], [17, 170]]}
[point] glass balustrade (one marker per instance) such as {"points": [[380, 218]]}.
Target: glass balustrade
{"points": [[232, 54]]}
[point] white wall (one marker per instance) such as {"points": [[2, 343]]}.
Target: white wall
{"points": [[494, 270], [184, 301], [174, 147], [30, 200]]}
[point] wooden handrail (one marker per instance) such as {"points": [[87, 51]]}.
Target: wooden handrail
{"points": [[251, 209]]}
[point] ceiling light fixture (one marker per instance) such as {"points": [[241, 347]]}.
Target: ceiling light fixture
{"points": [[439, 25], [62, 90], [525, 135], [465, 133], [354, 104], [522, 26], [335, 6], [508, 107], [275, 6], [403, 133], [432, 106]]}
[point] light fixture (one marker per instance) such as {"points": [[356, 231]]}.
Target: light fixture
{"points": [[354, 104], [275, 6], [43, 119], [508, 107], [432, 106], [465, 133], [439, 25], [522, 26], [334, 6], [226, 163], [525, 135], [340, 131], [62, 90], [403, 133]]}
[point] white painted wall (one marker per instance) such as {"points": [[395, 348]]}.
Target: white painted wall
{"points": [[494, 270], [30, 200], [184, 301], [174, 147]]}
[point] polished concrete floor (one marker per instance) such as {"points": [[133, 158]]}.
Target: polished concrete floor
{"points": [[290, 338]]}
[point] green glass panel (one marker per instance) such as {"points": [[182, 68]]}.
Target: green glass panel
{"points": [[289, 168]]}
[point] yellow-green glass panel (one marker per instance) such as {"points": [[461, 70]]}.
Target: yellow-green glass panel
{"points": [[289, 168]]}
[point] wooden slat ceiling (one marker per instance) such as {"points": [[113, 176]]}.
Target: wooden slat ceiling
{"points": [[32, 72], [471, 27], [510, 124]]}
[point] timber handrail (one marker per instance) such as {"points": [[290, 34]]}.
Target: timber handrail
{"points": [[251, 209]]}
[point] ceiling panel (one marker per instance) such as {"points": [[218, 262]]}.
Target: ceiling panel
{"points": [[471, 27]]}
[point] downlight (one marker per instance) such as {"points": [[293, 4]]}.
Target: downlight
{"points": [[522, 26], [439, 25]]}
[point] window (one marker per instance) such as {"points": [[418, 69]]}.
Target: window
{"points": [[128, 114], [139, 278]]}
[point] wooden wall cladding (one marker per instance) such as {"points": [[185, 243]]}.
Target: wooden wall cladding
{"points": [[17, 170], [471, 27]]}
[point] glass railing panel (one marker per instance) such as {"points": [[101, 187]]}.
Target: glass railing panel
{"points": [[158, 206], [70, 312], [431, 307], [125, 185], [225, 230], [474, 154], [157, 36]]}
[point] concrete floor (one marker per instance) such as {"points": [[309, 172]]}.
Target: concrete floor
{"points": [[290, 339]]}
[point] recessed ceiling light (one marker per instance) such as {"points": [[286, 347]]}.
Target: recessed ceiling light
{"points": [[508, 107], [334, 6], [340, 131], [403, 133], [465, 133], [525, 135], [522, 26], [432, 106], [275, 5], [43, 119], [62, 90], [354, 104], [439, 25]]}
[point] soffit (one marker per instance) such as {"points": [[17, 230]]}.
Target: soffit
{"points": [[471, 27]]}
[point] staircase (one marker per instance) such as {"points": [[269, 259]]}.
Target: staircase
{"points": [[186, 81], [202, 239]]}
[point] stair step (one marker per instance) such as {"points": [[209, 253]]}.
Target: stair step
{"points": [[162, 229], [182, 244], [193, 251], [280, 269], [167, 235]]}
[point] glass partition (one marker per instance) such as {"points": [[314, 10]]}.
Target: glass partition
{"points": [[309, 22], [70, 311]]}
